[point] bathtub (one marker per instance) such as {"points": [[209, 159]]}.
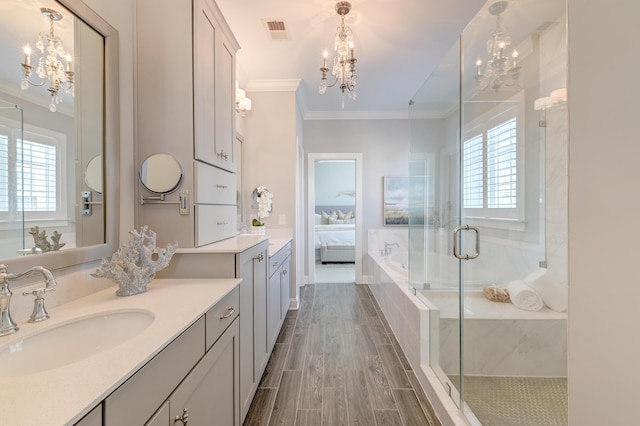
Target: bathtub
{"points": [[410, 320]]}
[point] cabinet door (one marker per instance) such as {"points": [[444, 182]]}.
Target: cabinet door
{"points": [[204, 90], [225, 105], [94, 418], [285, 286], [262, 348], [251, 267], [273, 307], [161, 417], [209, 394]]}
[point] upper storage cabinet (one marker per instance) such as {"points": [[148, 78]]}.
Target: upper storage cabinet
{"points": [[214, 84], [185, 88]]}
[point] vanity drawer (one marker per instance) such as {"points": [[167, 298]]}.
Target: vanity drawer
{"points": [[214, 185], [222, 315], [138, 398], [214, 223], [280, 256]]}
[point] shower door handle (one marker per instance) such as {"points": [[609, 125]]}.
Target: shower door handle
{"points": [[456, 238]]}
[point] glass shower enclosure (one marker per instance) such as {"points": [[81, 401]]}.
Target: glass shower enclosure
{"points": [[488, 215], [11, 210]]}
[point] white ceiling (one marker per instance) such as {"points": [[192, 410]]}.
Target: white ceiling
{"points": [[398, 44]]}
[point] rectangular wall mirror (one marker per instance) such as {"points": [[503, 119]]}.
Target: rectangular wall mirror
{"points": [[58, 130]]}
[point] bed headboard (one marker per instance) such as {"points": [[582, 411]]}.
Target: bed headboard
{"points": [[329, 209]]}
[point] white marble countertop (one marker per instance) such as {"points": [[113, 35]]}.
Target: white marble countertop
{"points": [[236, 244], [276, 244], [64, 395]]}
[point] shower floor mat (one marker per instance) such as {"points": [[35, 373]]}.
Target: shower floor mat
{"points": [[516, 401]]}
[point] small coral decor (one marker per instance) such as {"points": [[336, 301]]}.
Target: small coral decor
{"points": [[496, 294], [132, 266]]}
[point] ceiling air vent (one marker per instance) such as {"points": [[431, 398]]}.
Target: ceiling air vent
{"points": [[276, 29]]}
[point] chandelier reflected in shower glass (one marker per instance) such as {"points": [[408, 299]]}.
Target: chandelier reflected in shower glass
{"points": [[50, 68], [344, 61], [502, 67]]}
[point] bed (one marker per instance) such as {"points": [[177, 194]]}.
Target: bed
{"points": [[335, 236]]}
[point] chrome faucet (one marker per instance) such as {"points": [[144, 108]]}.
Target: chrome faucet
{"points": [[388, 246], [7, 325]]}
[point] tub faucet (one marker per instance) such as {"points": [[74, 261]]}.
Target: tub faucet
{"points": [[7, 325], [388, 246]]}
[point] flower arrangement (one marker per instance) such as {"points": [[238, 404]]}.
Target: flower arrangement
{"points": [[265, 199]]}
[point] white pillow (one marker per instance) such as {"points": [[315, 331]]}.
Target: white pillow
{"points": [[326, 216], [318, 219]]}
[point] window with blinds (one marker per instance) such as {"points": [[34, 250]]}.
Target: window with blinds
{"points": [[490, 172], [37, 187], [30, 171], [4, 173]]}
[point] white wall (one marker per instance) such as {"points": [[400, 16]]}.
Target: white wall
{"points": [[604, 348], [384, 145], [270, 154], [334, 181]]}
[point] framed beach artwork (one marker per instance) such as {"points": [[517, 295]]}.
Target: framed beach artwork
{"points": [[396, 201]]}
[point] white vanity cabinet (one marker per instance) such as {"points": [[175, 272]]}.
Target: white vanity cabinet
{"points": [[278, 292], [198, 371], [93, 418], [208, 394], [214, 88], [247, 260], [254, 347], [185, 107]]}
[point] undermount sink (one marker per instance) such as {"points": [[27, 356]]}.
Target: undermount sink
{"points": [[71, 341]]}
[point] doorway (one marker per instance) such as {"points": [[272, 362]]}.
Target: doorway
{"points": [[334, 252]]}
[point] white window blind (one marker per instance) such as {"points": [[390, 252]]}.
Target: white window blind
{"points": [[501, 166], [490, 171], [4, 173], [31, 170], [37, 187], [473, 173]]}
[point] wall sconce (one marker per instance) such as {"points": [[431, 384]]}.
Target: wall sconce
{"points": [[243, 104]]}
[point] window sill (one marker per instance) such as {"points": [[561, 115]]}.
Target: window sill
{"points": [[506, 224]]}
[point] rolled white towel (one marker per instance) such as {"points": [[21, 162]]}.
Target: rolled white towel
{"points": [[524, 297], [553, 294]]}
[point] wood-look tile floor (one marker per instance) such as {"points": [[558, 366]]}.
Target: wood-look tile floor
{"points": [[337, 362]]}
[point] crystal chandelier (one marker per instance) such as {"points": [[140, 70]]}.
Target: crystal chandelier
{"points": [[50, 68], [344, 62], [502, 67]]}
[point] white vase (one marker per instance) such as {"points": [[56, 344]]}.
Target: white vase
{"points": [[259, 230]]}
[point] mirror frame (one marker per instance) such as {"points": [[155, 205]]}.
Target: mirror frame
{"points": [[111, 150]]}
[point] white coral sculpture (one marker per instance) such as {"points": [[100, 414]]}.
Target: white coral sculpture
{"points": [[132, 266]]}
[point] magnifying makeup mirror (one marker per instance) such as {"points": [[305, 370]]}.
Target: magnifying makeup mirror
{"points": [[161, 174], [93, 174]]}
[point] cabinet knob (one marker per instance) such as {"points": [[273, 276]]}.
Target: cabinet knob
{"points": [[259, 257], [184, 418]]}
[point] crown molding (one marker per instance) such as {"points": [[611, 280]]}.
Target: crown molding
{"points": [[356, 115], [34, 97], [283, 85]]}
